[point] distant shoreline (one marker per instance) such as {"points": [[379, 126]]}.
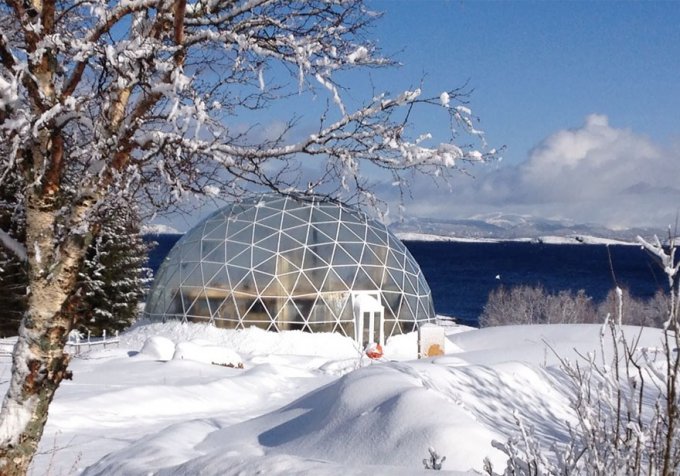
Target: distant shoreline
{"points": [[545, 240], [429, 237]]}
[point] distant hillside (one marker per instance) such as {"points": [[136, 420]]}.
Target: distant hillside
{"points": [[500, 227]]}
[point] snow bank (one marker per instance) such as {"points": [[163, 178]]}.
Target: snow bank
{"points": [[209, 354], [307, 403], [158, 347], [251, 341]]}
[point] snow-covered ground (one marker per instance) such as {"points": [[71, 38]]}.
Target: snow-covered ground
{"points": [[168, 401]]}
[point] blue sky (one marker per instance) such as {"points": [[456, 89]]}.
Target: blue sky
{"points": [[537, 67], [584, 96]]}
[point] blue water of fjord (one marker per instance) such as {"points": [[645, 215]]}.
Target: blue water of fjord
{"points": [[461, 275]]}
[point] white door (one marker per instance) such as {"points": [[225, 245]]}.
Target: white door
{"points": [[369, 318]]}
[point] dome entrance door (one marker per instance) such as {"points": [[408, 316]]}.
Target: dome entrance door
{"points": [[369, 318]]}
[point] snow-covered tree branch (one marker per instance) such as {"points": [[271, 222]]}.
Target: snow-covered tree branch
{"points": [[144, 99]]}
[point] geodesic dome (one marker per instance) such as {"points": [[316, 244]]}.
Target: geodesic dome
{"points": [[280, 263]]}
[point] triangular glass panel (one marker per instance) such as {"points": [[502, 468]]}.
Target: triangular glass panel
{"points": [[236, 274], [245, 286], [240, 259], [347, 274], [297, 233], [391, 302], [393, 281], [259, 255], [304, 286], [190, 274], [274, 289], [368, 257], [322, 215], [377, 253], [321, 233], [364, 281], [311, 260], [247, 214], [234, 248], [288, 315], [215, 275], [227, 310], [409, 285], [304, 305], [190, 254], [329, 306], [334, 283], [358, 231], [298, 215], [376, 236], [196, 303], [288, 244], [265, 212], [392, 328], [267, 266], [253, 310], [342, 257], [215, 231], [261, 233], [394, 261], [262, 280], [270, 243], [214, 251], [355, 250], [376, 274], [412, 303], [272, 222], [242, 235], [422, 311], [288, 262], [410, 266]]}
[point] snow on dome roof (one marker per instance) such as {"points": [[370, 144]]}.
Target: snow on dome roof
{"points": [[281, 263]]}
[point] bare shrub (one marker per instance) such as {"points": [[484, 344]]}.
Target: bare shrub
{"points": [[625, 402], [534, 305], [636, 311]]}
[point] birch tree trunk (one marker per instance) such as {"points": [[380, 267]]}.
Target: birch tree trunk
{"points": [[39, 361]]}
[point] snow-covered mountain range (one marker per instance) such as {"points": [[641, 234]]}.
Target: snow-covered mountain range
{"points": [[504, 227]]}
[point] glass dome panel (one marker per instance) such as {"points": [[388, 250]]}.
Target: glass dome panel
{"points": [[281, 263]]}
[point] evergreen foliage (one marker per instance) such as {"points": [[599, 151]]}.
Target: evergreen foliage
{"points": [[13, 278], [114, 277], [113, 280]]}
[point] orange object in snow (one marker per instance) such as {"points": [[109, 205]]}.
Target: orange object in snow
{"points": [[374, 351]]}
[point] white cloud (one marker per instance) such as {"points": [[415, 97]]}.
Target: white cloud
{"points": [[595, 173]]}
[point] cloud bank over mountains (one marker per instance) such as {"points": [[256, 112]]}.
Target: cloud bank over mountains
{"points": [[595, 173]]}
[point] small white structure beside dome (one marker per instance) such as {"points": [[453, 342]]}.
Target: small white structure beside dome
{"points": [[280, 263]]}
